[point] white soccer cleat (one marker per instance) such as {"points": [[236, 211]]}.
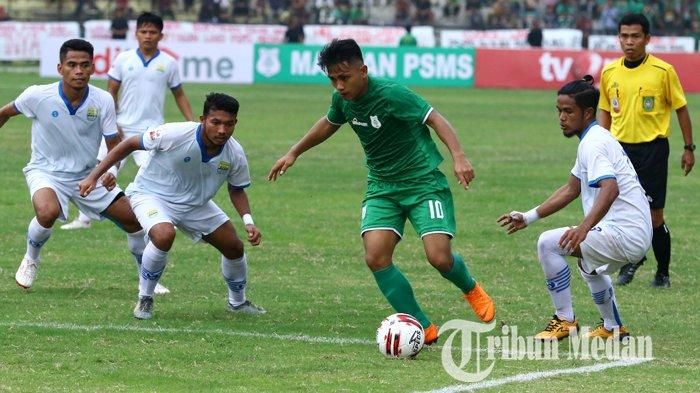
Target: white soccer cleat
{"points": [[161, 290], [76, 224], [26, 273], [246, 308]]}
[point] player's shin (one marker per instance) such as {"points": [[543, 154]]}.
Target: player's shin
{"points": [[37, 236], [397, 290], [152, 266], [459, 274], [235, 273]]}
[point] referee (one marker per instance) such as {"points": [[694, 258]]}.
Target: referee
{"points": [[638, 92]]}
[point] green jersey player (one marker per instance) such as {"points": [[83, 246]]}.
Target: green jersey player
{"points": [[404, 181]]}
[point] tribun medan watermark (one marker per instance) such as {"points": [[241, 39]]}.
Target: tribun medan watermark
{"points": [[470, 349]]}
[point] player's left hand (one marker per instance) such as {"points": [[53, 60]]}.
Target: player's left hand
{"points": [[86, 186], [464, 172], [572, 239], [687, 161], [109, 181], [513, 221], [254, 235]]}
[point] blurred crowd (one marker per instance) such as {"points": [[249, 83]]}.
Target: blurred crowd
{"points": [[668, 17]]}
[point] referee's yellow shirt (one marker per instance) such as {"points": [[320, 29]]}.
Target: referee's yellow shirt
{"points": [[640, 100]]}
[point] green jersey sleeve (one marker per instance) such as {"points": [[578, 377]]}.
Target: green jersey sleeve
{"points": [[335, 112], [408, 106]]}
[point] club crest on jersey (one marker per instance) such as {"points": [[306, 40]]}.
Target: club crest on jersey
{"points": [[375, 121], [160, 68], [223, 167], [357, 122], [93, 113], [152, 213], [648, 103], [615, 104], [154, 134]]}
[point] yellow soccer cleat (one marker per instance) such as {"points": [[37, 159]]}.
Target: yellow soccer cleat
{"points": [[481, 303], [557, 329], [600, 331]]}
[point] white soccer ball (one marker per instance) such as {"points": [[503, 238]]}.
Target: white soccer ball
{"points": [[400, 336]]}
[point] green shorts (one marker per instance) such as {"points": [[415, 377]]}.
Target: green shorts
{"points": [[426, 202]]}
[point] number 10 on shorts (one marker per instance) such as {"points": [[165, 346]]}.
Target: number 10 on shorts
{"points": [[436, 209]]}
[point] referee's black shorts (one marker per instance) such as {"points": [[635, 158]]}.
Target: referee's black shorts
{"points": [[650, 160]]}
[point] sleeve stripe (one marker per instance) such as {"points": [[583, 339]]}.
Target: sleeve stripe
{"points": [[235, 187], [594, 183], [113, 78], [337, 124], [427, 114], [17, 109], [176, 87], [111, 136]]}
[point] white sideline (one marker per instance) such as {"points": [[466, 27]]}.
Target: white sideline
{"points": [[525, 377], [130, 328]]}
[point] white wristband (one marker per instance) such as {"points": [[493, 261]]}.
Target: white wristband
{"points": [[248, 219], [113, 170], [531, 216]]}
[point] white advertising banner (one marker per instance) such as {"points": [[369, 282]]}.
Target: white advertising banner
{"points": [[212, 63], [387, 36], [510, 39], [21, 40], [197, 33], [656, 44]]}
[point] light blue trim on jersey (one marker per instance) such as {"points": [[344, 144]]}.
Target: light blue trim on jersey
{"points": [[594, 183], [583, 134], [143, 60], [66, 101], [17, 109], [113, 78], [176, 87], [111, 136], [141, 145], [238, 188], [203, 149]]}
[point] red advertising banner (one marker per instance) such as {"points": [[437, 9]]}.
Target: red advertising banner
{"points": [[547, 69]]}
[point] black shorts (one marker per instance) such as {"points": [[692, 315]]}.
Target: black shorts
{"points": [[650, 160]]}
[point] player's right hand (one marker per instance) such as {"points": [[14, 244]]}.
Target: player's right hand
{"points": [[513, 221], [281, 166], [86, 186]]}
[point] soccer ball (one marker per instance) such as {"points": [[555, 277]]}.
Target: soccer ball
{"points": [[400, 336]]}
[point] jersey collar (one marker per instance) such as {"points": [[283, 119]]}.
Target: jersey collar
{"points": [[203, 149], [143, 60], [591, 124], [66, 101]]}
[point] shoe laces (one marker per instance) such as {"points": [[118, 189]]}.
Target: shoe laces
{"points": [[553, 325]]}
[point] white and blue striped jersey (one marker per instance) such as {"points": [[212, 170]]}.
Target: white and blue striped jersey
{"points": [[181, 172], [66, 139], [600, 157], [142, 91]]}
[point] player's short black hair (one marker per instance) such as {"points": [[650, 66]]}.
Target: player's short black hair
{"points": [[583, 92], [149, 18], [339, 51], [220, 102], [634, 19], [77, 45]]}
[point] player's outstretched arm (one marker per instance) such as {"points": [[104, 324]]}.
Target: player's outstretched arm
{"points": [[239, 200], [6, 112], [115, 155], [183, 103], [463, 169], [318, 133]]}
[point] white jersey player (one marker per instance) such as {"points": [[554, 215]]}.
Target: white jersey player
{"points": [[616, 228], [189, 163], [69, 119]]}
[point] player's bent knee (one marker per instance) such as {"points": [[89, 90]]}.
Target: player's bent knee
{"points": [[375, 262], [162, 236], [548, 242], [47, 215], [441, 261], [234, 250]]}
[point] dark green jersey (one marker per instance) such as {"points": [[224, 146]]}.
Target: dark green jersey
{"points": [[389, 120]]}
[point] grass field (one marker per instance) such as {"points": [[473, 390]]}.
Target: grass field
{"points": [[74, 330]]}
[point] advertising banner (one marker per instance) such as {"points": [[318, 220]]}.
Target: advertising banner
{"points": [[542, 69], [367, 35], [21, 40], [412, 66], [213, 63], [656, 44], [510, 39]]}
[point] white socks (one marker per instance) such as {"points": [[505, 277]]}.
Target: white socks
{"points": [[604, 297], [36, 237], [137, 243], [557, 272], [152, 266], [235, 272]]}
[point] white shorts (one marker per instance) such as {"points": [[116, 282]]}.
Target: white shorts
{"points": [[605, 249], [195, 222], [67, 191]]}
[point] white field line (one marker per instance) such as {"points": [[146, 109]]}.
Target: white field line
{"points": [[526, 377]]}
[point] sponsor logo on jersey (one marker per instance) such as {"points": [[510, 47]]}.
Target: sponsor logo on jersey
{"points": [[93, 113], [154, 134], [54, 114], [187, 159], [375, 121], [152, 213], [223, 167], [357, 122]]}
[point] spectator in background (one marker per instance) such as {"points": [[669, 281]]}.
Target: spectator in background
{"points": [[534, 36], [357, 14], [424, 13], [408, 39], [402, 12], [209, 11], [295, 31], [451, 8], [165, 8], [609, 17], [3, 15], [120, 24], [341, 13], [475, 20]]}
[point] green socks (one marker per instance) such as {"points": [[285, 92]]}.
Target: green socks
{"points": [[397, 290], [459, 274]]}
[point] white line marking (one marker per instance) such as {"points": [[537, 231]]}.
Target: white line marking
{"points": [[130, 328], [540, 374]]}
